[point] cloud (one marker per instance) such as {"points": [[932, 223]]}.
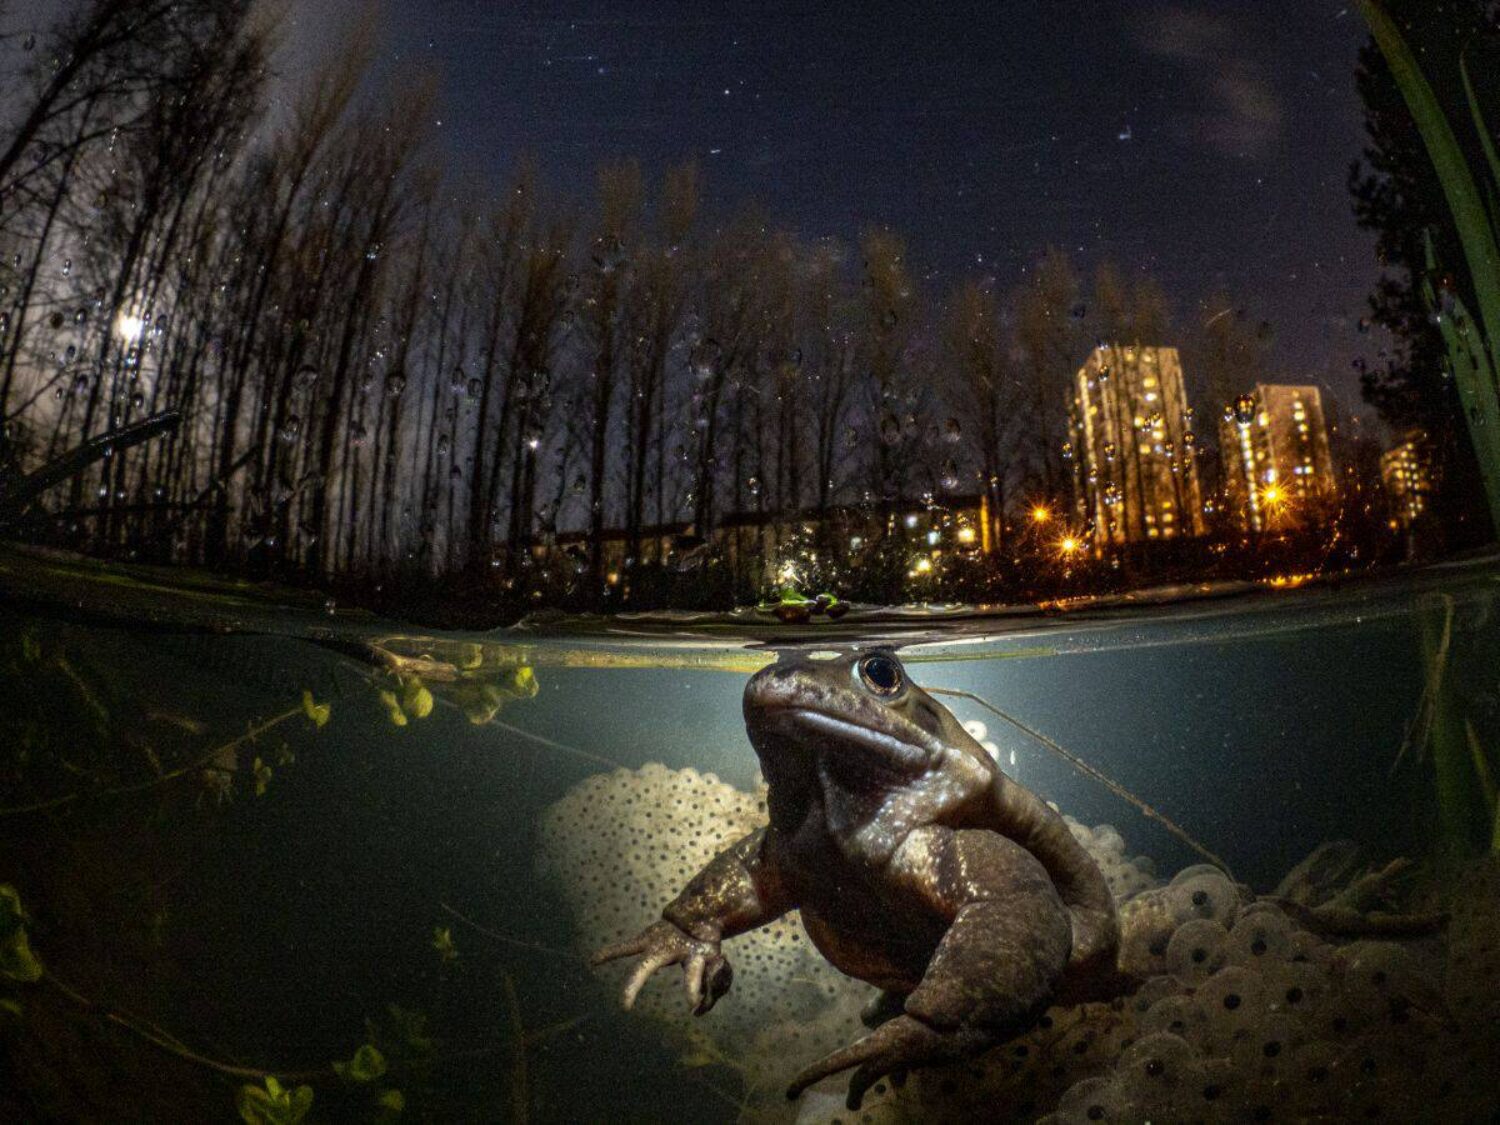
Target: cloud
{"points": [[1236, 108]]}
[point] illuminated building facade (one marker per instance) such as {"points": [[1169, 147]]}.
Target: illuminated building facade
{"points": [[1404, 469], [1278, 468], [1133, 448]]}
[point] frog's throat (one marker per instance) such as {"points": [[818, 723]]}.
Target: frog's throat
{"points": [[895, 751]]}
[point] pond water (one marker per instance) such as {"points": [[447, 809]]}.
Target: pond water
{"points": [[252, 836]]}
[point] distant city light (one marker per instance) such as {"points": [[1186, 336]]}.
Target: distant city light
{"points": [[923, 566], [1273, 494], [1040, 514], [129, 327], [1068, 545], [966, 535]]}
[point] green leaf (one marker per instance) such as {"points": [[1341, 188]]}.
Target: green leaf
{"points": [[367, 1065], [273, 1105], [416, 699], [392, 1101], [319, 713], [17, 962], [1476, 111], [263, 775], [442, 941], [411, 1027], [392, 707]]}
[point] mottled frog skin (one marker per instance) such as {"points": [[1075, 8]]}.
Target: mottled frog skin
{"points": [[917, 864]]}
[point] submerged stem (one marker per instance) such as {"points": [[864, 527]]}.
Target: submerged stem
{"points": [[495, 936], [1092, 772], [172, 775], [162, 1039]]}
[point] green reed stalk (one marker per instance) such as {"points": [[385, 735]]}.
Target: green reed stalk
{"points": [[1474, 367]]}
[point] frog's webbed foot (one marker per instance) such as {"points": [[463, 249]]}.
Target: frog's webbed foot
{"points": [[705, 972], [896, 1046]]}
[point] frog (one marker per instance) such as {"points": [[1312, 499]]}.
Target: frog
{"points": [[917, 864]]}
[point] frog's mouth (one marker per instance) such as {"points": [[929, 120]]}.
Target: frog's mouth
{"points": [[819, 730]]}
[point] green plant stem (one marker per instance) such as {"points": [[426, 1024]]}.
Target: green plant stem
{"points": [[200, 763], [1475, 228], [520, 1099]]}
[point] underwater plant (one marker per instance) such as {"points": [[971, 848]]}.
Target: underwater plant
{"points": [[1468, 807], [1473, 196], [273, 1104], [795, 608], [18, 964]]}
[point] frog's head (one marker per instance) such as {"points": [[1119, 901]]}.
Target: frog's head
{"points": [[859, 713]]}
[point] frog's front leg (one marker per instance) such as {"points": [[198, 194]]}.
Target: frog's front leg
{"points": [[739, 890], [994, 971]]}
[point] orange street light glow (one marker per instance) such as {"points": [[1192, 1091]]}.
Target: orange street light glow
{"points": [[1069, 545], [1039, 514]]}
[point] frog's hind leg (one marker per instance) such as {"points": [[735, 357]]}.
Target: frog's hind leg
{"points": [[883, 1007], [995, 971]]}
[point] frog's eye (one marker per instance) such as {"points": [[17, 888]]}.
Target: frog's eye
{"points": [[882, 675]]}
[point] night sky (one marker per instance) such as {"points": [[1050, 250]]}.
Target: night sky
{"points": [[1206, 142]]}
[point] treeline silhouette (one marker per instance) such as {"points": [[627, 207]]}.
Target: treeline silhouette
{"points": [[387, 377]]}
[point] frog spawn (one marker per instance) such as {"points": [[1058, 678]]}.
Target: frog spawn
{"points": [[1242, 1015], [619, 846]]}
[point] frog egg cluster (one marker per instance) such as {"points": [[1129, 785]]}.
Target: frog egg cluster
{"points": [[1244, 1016], [619, 846], [1127, 876], [1471, 986]]}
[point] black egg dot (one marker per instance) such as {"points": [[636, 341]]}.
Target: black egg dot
{"points": [[1261, 1113], [1232, 1001], [1271, 1049], [1317, 1074], [1378, 976], [1096, 1113], [1199, 956], [1200, 898], [1367, 1064], [1211, 1092], [1154, 1067], [1258, 946], [1159, 947], [1294, 995]]}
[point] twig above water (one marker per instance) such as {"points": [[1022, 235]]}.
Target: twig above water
{"points": [[1092, 772]]}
